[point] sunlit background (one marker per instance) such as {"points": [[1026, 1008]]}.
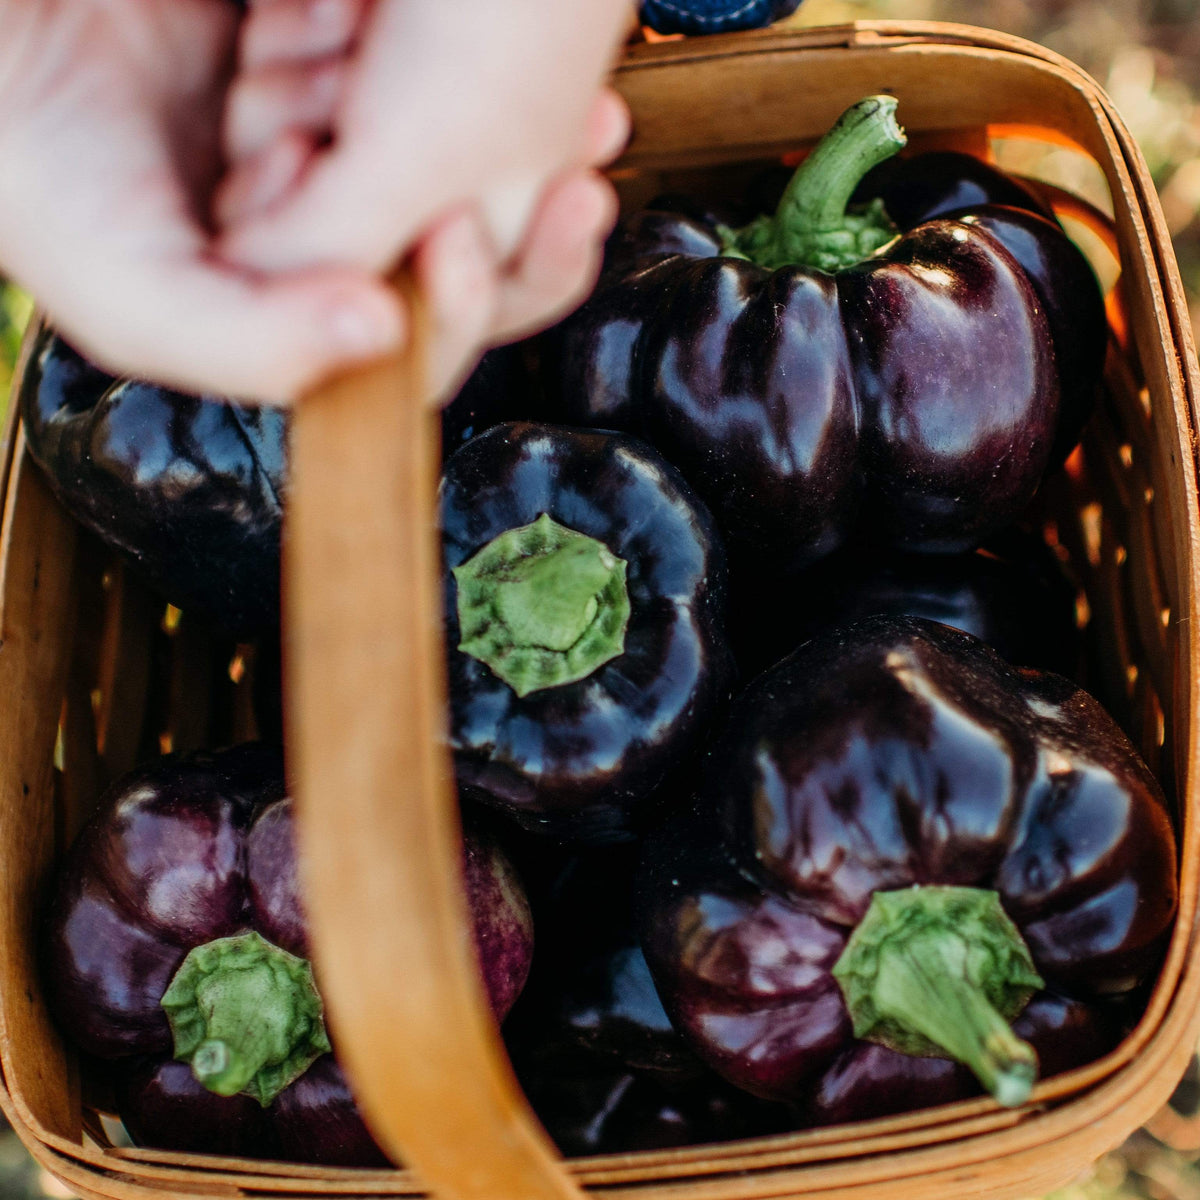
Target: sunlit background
{"points": [[1147, 55]]}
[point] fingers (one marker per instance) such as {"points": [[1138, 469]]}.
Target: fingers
{"points": [[201, 327], [510, 208], [268, 104], [457, 274], [293, 59], [609, 125], [293, 201], [337, 206], [560, 259], [339, 212], [291, 32], [263, 180], [474, 301]]}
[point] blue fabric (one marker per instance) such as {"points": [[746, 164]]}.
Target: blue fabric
{"points": [[713, 16]]}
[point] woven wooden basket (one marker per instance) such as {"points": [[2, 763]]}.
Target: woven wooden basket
{"points": [[91, 677]]}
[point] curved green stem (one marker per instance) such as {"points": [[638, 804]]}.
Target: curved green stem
{"points": [[811, 226], [942, 971]]}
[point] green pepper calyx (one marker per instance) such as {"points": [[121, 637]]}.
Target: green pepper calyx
{"points": [[542, 605], [246, 1015], [811, 226], [940, 972]]}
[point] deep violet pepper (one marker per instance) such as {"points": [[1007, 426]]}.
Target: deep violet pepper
{"points": [[1013, 594], [903, 847], [592, 1046], [585, 595], [501, 388], [176, 933], [947, 183], [192, 488], [825, 372]]}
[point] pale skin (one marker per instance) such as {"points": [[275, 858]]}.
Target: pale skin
{"points": [[213, 203]]}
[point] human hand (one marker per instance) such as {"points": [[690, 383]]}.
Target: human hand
{"points": [[358, 129], [110, 138]]}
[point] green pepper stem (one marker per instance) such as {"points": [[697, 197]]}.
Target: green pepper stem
{"points": [[815, 199], [213, 1064], [551, 600], [923, 985], [542, 605], [942, 971], [246, 1015], [811, 226]]}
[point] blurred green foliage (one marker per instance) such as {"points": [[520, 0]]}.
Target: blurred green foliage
{"points": [[15, 309]]}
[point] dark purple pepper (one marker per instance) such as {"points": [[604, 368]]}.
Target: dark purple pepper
{"points": [[317, 1121], [162, 1104], [590, 989], [499, 389], [159, 870], [190, 488], [593, 1105], [888, 797], [947, 183], [868, 1080], [592, 657], [177, 928], [921, 187], [503, 923], [1066, 285], [815, 376], [313, 1120], [593, 1047], [1013, 594], [271, 884]]}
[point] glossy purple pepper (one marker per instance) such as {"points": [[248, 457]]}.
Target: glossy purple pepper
{"points": [[593, 1048], [584, 604], [1013, 594], [824, 372], [947, 183], [190, 488], [176, 932], [904, 844]]}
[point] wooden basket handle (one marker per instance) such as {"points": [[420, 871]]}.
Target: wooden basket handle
{"points": [[378, 820]]}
